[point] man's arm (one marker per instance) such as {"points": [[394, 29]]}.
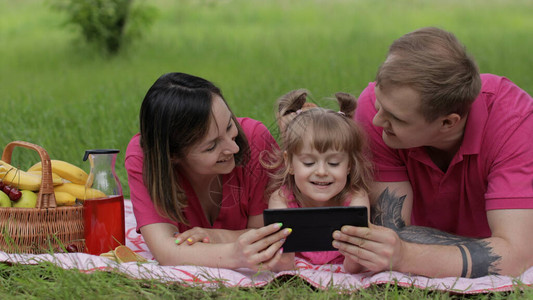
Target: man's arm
{"points": [[474, 252], [390, 244]]}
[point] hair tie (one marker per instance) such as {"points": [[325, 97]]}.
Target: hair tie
{"points": [[341, 113], [298, 112]]}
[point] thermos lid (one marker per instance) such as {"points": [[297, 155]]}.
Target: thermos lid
{"points": [[99, 151]]}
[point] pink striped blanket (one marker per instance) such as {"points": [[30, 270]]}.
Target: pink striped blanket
{"points": [[321, 277]]}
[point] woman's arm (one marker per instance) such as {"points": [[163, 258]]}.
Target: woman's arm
{"points": [[207, 235], [216, 236], [255, 249]]}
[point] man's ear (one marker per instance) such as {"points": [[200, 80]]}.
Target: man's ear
{"points": [[450, 121], [287, 162]]}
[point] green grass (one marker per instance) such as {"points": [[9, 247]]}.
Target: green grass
{"points": [[64, 96], [45, 281]]}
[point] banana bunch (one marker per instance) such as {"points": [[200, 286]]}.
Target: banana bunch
{"points": [[64, 198], [68, 180], [65, 170], [79, 191], [73, 186], [23, 180]]}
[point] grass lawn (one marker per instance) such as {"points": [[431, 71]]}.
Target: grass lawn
{"points": [[58, 93], [46, 281]]}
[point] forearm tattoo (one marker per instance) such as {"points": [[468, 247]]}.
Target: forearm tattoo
{"points": [[387, 212]]}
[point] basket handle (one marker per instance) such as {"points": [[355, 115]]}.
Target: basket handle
{"points": [[46, 197]]}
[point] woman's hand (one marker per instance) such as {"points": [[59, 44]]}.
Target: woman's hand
{"points": [[260, 249], [208, 235], [197, 234]]}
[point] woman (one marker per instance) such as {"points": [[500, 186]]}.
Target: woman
{"points": [[194, 174]]}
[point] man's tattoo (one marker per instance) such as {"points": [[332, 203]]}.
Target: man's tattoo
{"points": [[483, 259], [432, 236], [387, 212], [465, 261]]}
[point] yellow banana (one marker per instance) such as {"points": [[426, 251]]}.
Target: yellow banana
{"points": [[78, 191], [56, 179], [64, 198], [18, 178], [66, 170], [36, 167]]}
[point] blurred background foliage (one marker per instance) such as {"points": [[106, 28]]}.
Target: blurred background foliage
{"points": [[58, 91], [107, 24]]}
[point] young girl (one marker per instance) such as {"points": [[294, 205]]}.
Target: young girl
{"points": [[322, 162], [196, 184]]}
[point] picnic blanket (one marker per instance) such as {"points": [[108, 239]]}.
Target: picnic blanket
{"points": [[321, 277]]}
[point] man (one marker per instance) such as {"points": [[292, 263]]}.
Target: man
{"points": [[453, 155]]}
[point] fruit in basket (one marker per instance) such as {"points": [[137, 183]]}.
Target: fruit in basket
{"points": [[13, 193], [64, 199], [28, 200], [4, 200], [65, 170], [71, 248], [18, 178], [78, 191], [56, 179]]}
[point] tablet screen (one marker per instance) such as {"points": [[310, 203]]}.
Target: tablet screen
{"points": [[312, 227]]}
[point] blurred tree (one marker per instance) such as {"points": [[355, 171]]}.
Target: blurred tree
{"points": [[108, 24]]}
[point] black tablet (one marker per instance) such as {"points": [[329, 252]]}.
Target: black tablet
{"points": [[312, 228]]}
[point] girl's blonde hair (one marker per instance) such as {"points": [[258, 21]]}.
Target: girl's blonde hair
{"points": [[330, 130]]}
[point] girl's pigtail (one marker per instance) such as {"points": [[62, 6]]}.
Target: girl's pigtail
{"points": [[291, 102], [287, 104], [347, 103]]}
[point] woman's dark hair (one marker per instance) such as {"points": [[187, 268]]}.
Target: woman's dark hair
{"points": [[175, 114]]}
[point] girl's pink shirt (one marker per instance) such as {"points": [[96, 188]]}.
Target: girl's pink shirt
{"points": [[243, 192]]}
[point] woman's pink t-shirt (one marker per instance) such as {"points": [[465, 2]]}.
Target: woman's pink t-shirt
{"points": [[243, 193]]}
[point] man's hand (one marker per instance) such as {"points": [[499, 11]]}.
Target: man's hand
{"points": [[376, 248]]}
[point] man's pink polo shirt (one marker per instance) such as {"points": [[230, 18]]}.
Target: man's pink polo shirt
{"points": [[243, 192], [493, 168]]}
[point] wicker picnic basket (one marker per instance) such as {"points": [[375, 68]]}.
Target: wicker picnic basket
{"points": [[45, 228]]}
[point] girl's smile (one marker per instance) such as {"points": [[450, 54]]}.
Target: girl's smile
{"points": [[319, 176]]}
